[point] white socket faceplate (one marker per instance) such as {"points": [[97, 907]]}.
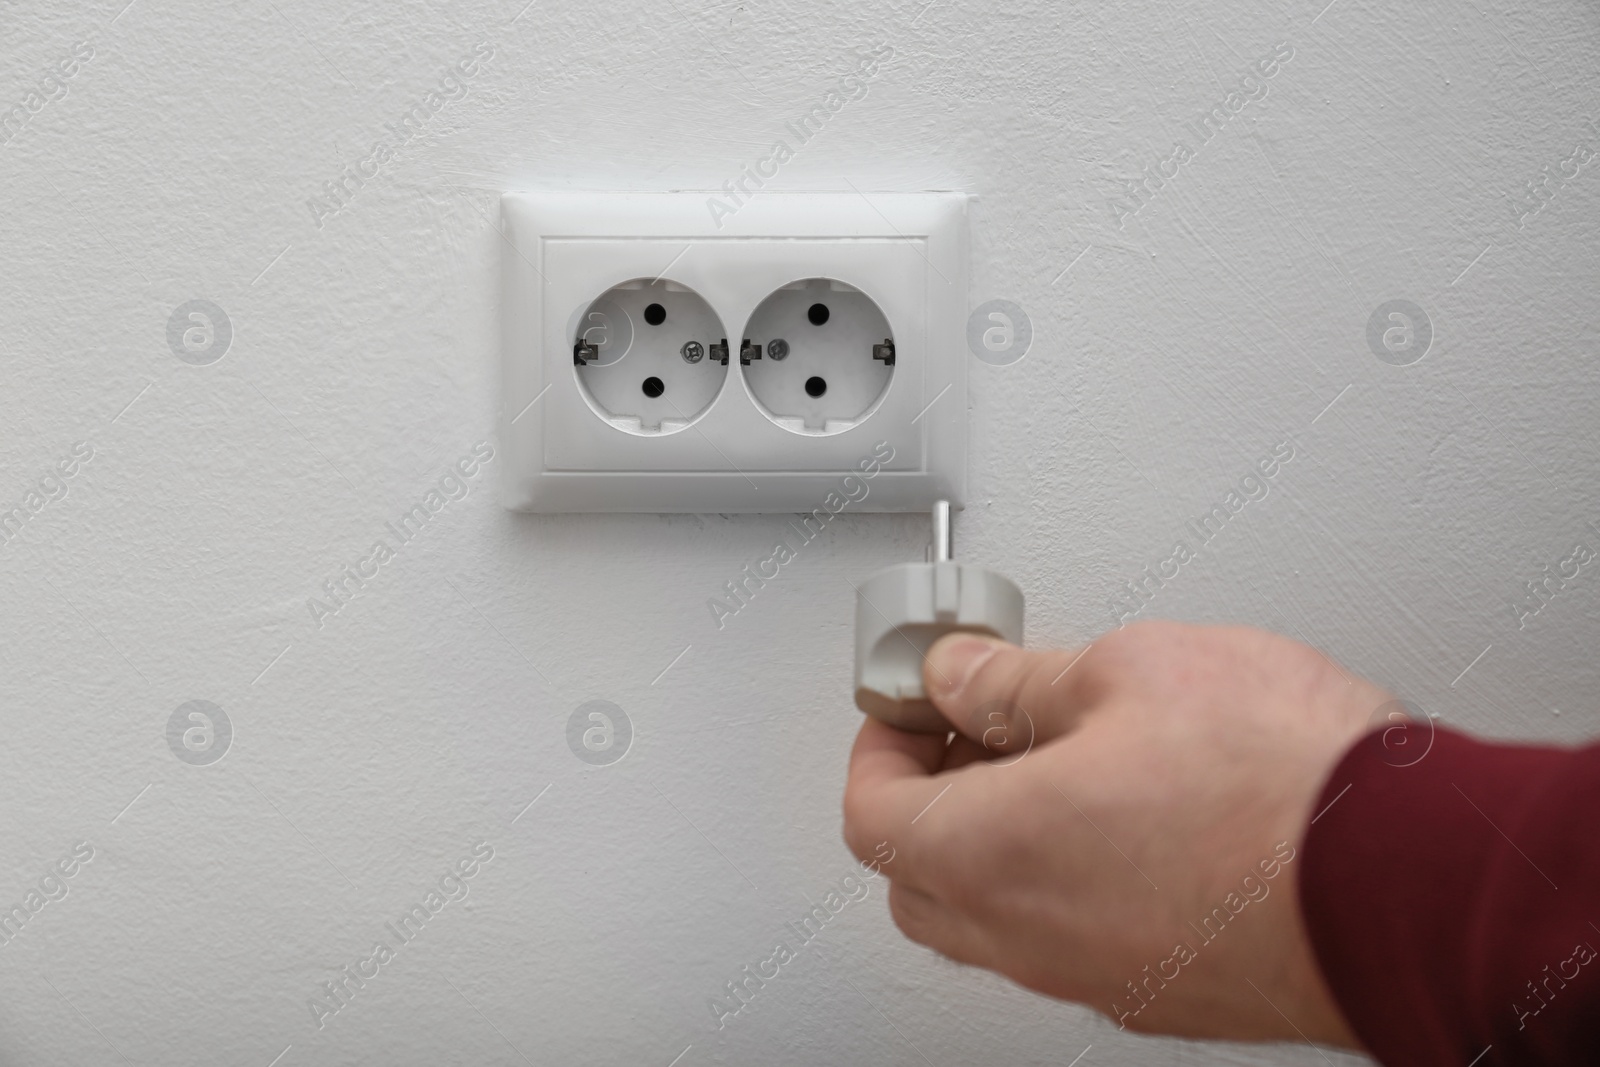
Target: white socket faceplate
{"points": [[906, 251]]}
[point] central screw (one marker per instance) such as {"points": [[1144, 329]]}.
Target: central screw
{"points": [[692, 351], [778, 349]]}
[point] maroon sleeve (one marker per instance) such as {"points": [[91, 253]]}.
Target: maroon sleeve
{"points": [[1452, 899]]}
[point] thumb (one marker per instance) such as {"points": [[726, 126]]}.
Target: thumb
{"points": [[1004, 697]]}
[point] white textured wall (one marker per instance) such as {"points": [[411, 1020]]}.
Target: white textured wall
{"points": [[371, 753]]}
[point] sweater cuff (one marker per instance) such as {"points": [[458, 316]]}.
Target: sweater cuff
{"points": [[1429, 893]]}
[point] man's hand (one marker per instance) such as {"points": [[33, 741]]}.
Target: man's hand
{"points": [[1119, 825]]}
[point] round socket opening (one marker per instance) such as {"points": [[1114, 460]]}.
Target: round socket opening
{"points": [[650, 356], [829, 356]]}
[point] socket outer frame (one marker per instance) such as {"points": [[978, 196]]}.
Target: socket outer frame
{"points": [[907, 251]]}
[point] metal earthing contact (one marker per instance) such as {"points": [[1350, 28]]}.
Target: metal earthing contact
{"points": [[942, 549]]}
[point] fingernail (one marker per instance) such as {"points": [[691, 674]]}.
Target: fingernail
{"points": [[955, 659]]}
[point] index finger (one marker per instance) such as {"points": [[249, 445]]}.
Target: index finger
{"points": [[891, 782]]}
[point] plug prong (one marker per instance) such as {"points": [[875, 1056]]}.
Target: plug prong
{"points": [[942, 549]]}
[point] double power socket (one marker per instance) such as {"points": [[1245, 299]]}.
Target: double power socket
{"points": [[659, 356]]}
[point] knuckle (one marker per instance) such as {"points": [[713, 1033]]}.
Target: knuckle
{"points": [[962, 885], [910, 913], [960, 892], [856, 820]]}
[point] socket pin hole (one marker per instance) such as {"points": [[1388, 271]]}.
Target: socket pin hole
{"points": [[655, 315], [816, 386], [818, 314], [653, 386]]}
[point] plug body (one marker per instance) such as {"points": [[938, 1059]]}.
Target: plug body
{"points": [[902, 610]]}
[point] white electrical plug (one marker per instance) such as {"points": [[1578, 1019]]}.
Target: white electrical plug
{"points": [[902, 610]]}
